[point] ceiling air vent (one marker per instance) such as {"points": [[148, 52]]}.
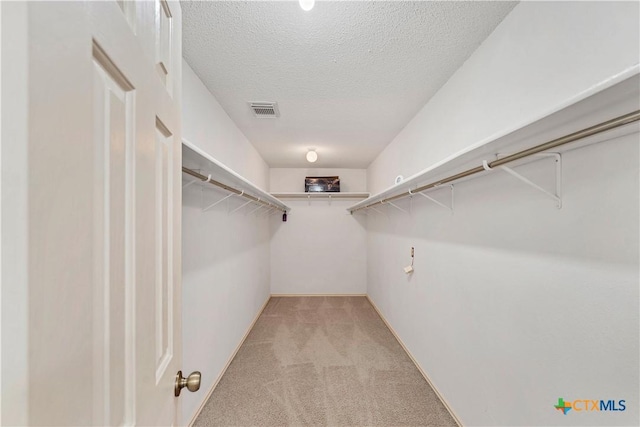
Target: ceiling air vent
{"points": [[265, 110]]}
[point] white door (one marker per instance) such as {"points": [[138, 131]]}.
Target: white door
{"points": [[91, 212]]}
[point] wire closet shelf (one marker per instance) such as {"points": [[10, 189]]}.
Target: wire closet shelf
{"points": [[549, 145], [249, 191]]}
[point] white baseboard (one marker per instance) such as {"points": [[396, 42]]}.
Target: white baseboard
{"points": [[415, 362], [318, 295], [215, 383]]}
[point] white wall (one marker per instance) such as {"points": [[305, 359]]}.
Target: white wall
{"points": [[225, 257], [541, 56], [321, 249], [206, 124], [514, 303]]}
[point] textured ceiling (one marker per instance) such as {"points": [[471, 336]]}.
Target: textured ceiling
{"points": [[347, 76]]}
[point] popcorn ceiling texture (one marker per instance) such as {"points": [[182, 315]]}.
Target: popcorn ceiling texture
{"points": [[347, 76], [322, 361]]}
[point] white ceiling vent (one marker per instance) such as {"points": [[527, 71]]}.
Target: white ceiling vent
{"points": [[265, 110]]}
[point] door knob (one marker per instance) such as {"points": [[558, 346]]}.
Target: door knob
{"points": [[192, 382]]}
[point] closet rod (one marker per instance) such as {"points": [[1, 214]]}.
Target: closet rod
{"points": [[228, 188], [572, 137]]}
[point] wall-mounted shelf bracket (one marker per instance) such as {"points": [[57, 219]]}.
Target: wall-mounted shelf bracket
{"points": [[258, 208], [395, 206], [267, 212], [377, 210], [557, 197], [219, 201], [240, 207], [193, 181], [449, 208]]}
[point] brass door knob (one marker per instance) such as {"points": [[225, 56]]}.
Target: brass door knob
{"points": [[192, 382]]}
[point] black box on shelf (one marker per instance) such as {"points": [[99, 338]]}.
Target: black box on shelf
{"points": [[322, 184]]}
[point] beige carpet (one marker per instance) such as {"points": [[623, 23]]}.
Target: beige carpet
{"points": [[322, 361]]}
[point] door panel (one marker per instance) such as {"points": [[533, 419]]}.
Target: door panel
{"points": [[164, 43], [164, 274], [114, 118]]}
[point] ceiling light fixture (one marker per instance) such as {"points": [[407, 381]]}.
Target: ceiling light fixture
{"points": [[307, 5], [312, 156]]}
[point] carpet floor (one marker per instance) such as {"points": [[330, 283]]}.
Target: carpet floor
{"points": [[322, 361]]}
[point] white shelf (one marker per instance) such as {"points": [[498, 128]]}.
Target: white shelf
{"points": [[195, 158], [611, 98], [321, 195]]}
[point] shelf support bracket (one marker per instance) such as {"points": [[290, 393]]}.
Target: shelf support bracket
{"points": [[268, 211], [258, 208], [377, 210], [449, 208], [557, 197], [193, 181], [197, 180], [218, 202], [395, 206], [240, 207]]}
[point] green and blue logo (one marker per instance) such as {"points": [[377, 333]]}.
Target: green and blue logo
{"points": [[563, 406]]}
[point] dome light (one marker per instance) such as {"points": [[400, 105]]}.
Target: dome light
{"points": [[307, 5], [312, 156]]}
